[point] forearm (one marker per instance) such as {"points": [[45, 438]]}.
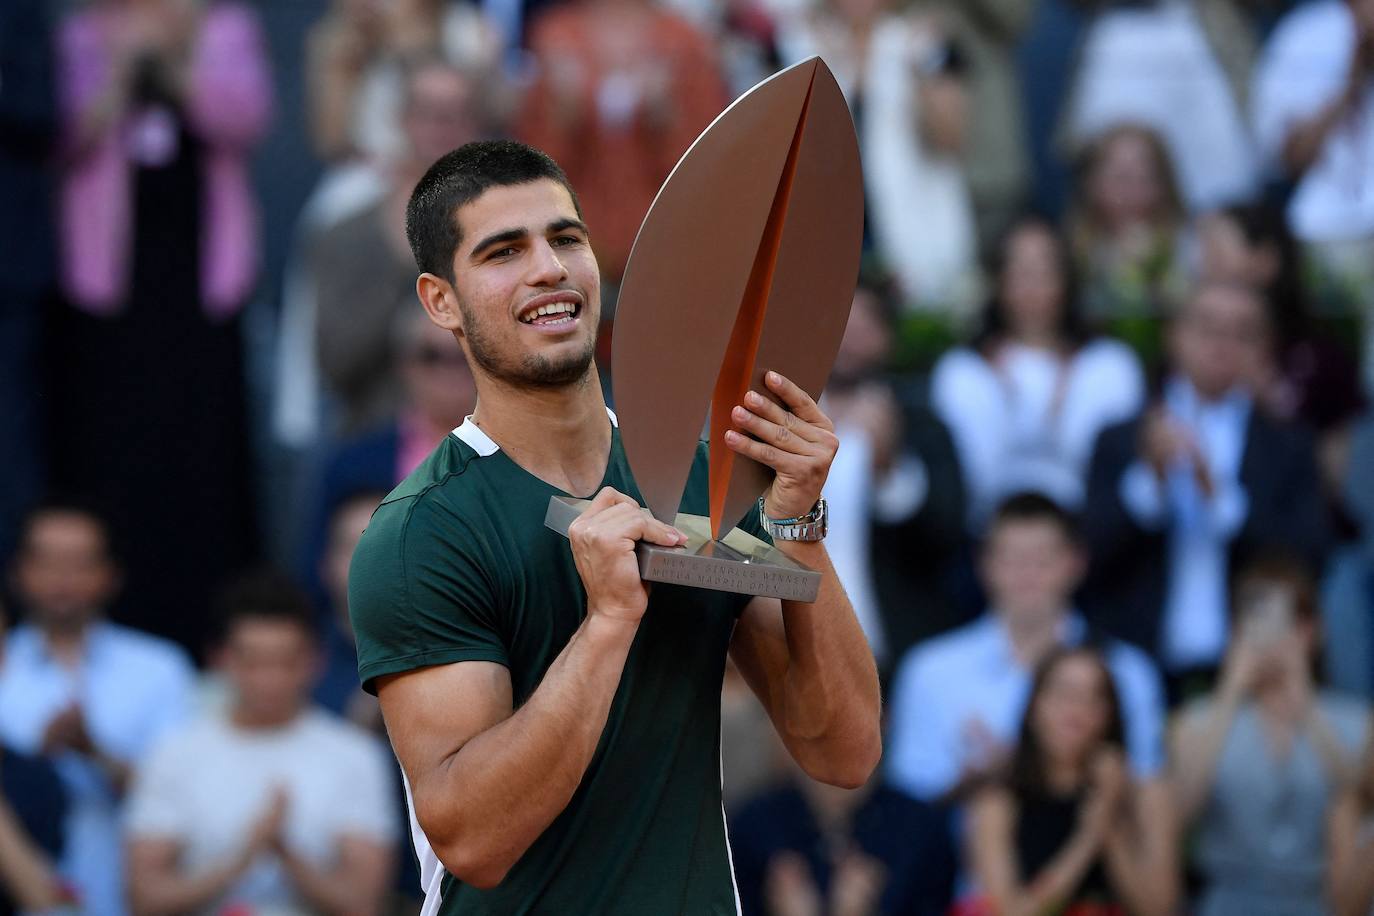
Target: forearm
{"points": [[1304, 142], [493, 798], [1146, 884], [165, 892], [1354, 885], [1196, 755], [25, 874], [1054, 884], [830, 700], [341, 891]]}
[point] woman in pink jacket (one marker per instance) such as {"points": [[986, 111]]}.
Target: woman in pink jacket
{"points": [[162, 103]]}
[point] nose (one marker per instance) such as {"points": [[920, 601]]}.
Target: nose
{"points": [[546, 268]]}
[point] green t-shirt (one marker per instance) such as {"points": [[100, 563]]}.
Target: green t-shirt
{"points": [[456, 565]]}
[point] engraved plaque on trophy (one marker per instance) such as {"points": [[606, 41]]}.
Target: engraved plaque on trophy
{"points": [[745, 263]]}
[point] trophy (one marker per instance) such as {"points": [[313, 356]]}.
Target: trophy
{"points": [[746, 262]]}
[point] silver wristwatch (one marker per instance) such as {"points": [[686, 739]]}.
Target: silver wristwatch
{"points": [[808, 527]]}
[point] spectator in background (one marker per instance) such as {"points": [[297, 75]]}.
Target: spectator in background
{"points": [[1180, 68], [162, 102], [808, 848], [1260, 763], [274, 806], [996, 164], [621, 89], [958, 698], [337, 688], [91, 695], [361, 269], [1026, 400], [1200, 480], [1314, 121], [897, 524], [28, 127], [1066, 827], [1127, 226], [905, 83], [437, 393], [358, 54], [1310, 378], [33, 807]]}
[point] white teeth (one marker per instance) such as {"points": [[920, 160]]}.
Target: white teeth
{"points": [[556, 308]]}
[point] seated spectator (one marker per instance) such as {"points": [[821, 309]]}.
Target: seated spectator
{"points": [[437, 391], [1196, 483], [338, 688], [898, 519], [273, 806], [1066, 826], [90, 695], [621, 89], [1314, 120], [33, 807], [1026, 400], [1260, 763], [906, 85], [959, 697], [811, 848], [361, 271], [1127, 226], [1179, 67]]}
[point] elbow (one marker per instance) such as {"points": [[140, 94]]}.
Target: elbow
{"points": [[475, 867], [853, 767]]}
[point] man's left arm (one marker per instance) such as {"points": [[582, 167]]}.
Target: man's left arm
{"points": [[809, 663]]}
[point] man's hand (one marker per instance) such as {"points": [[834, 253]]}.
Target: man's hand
{"points": [[266, 834], [67, 731], [603, 544], [798, 443]]}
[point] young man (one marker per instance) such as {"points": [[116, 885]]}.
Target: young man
{"points": [[558, 726], [89, 694], [958, 699], [274, 806]]}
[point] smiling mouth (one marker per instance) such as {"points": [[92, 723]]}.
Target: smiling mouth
{"points": [[552, 315]]}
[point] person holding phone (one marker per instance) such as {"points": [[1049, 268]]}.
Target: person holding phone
{"points": [[1259, 762]]}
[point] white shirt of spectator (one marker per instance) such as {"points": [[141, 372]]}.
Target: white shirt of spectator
{"points": [[132, 688], [1030, 421], [1304, 67], [1199, 529], [1153, 66], [207, 784], [956, 692]]}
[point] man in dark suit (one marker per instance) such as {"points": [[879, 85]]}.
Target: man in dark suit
{"points": [[1196, 483]]}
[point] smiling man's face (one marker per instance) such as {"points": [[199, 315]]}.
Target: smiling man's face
{"points": [[527, 286]]}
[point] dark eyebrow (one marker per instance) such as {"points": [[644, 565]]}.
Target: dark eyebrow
{"points": [[496, 238], [560, 225]]}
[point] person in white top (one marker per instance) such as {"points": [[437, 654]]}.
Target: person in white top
{"points": [[1026, 400], [274, 806]]}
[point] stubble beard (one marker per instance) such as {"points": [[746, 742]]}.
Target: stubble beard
{"points": [[534, 370]]}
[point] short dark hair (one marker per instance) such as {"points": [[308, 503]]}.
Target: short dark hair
{"points": [[1034, 507], [263, 594], [85, 509], [460, 177]]}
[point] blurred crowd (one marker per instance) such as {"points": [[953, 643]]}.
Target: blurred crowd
{"points": [[1104, 502]]}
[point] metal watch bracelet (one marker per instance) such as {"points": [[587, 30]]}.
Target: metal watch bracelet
{"points": [[809, 527]]}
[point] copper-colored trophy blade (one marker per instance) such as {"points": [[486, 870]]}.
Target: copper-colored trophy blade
{"points": [[772, 187]]}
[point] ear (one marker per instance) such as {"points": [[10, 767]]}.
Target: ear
{"points": [[440, 301]]}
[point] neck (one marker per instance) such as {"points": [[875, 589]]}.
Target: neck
{"points": [[1062, 776], [248, 720], [66, 640], [1040, 338], [560, 435], [1032, 635]]}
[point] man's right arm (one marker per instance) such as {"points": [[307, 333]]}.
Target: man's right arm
{"points": [[487, 779]]}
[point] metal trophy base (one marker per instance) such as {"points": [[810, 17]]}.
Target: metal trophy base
{"points": [[739, 563]]}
